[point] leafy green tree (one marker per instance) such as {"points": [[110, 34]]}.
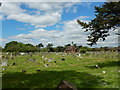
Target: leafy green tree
{"points": [[15, 46], [60, 48], [50, 47], [11, 46], [67, 45], [1, 48], [40, 45], [30, 48], [44, 50], [107, 18]]}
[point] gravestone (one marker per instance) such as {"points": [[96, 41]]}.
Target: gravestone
{"points": [[50, 60], [63, 59], [38, 70], [32, 60], [4, 63], [97, 66], [3, 69], [46, 65], [54, 61], [3, 57], [65, 85], [12, 58], [43, 61], [14, 63], [24, 71]]}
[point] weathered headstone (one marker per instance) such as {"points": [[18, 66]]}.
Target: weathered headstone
{"points": [[32, 60], [3, 69], [4, 63], [65, 85], [50, 60], [24, 71]]}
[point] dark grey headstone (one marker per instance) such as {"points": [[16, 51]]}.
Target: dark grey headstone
{"points": [[54, 61], [24, 71], [38, 70], [65, 85], [63, 59], [14, 63]]}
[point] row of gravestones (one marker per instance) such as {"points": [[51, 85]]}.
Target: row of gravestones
{"points": [[103, 54], [5, 63]]}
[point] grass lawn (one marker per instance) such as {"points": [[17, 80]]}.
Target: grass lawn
{"points": [[81, 72]]}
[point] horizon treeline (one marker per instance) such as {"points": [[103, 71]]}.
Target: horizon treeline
{"points": [[15, 46]]}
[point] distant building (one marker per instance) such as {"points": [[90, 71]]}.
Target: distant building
{"points": [[71, 49]]}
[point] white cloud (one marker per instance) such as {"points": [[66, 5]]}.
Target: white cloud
{"points": [[3, 41], [8, 8], [39, 21], [110, 41], [46, 14], [82, 17], [71, 32]]}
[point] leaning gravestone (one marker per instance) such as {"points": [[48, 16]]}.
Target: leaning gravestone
{"points": [[65, 85]]}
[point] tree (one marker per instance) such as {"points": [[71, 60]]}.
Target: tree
{"points": [[30, 48], [107, 18], [11, 46], [60, 49], [0, 4], [39, 46], [67, 45], [44, 50], [49, 46], [1, 48], [15, 46]]}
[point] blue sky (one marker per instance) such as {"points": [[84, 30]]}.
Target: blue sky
{"points": [[53, 22]]}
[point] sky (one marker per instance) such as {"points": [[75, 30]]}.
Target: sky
{"points": [[49, 22]]}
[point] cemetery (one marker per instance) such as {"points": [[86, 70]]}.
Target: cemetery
{"points": [[48, 69], [36, 51]]}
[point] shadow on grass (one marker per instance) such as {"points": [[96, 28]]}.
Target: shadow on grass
{"points": [[50, 79], [105, 64]]}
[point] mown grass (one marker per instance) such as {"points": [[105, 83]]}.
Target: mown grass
{"points": [[81, 72]]}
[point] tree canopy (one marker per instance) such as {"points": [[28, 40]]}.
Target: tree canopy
{"points": [[40, 45], [15, 46], [107, 18], [0, 3]]}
